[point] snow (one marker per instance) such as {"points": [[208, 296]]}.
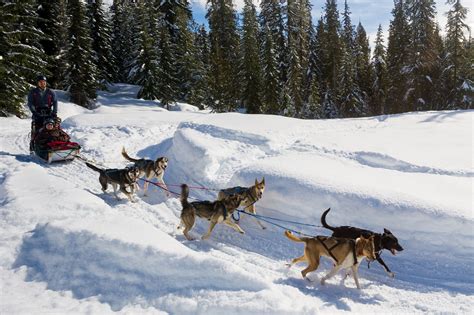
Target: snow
{"points": [[67, 247]]}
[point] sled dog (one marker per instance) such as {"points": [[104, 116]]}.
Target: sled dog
{"points": [[123, 178], [381, 241], [346, 253], [215, 212], [250, 196], [150, 169]]}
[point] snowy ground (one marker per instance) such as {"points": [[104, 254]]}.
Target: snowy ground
{"points": [[66, 247]]}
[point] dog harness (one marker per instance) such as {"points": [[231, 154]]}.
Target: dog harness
{"points": [[335, 245], [225, 211]]}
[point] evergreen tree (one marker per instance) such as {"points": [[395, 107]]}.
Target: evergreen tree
{"points": [[333, 52], [22, 56], [271, 17], [174, 40], [459, 73], [349, 93], [224, 56], [82, 71], [251, 75], [185, 54], [313, 108], [53, 23], [397, 60], [422, 53], [299, 20], [347, 35], [363, 72], [272, 88], [124, 29], [144, 68], [316, 60], [350, 104], [101, 33], [379, 66], [439, 77], [199, 93]]}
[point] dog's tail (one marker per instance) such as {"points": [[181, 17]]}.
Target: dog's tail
{"points": [[295, 238], [126, 156], [184, 195], [323, 220], [95, 168]]}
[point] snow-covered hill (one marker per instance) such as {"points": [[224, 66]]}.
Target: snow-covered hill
{"points": [[66, 247]]}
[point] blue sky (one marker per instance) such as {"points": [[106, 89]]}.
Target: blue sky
{"points": [[370, 13]]}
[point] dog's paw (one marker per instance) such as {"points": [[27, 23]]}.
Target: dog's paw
{"points": [[323, 281], [391, 275], [204, 237]]}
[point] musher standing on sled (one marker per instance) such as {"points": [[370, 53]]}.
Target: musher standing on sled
{"points": [[43, 104]]}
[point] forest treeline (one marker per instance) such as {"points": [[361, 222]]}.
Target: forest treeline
{"points": [[274, 61]]}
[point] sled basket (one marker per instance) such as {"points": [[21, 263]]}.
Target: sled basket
{"points": [[58, 151]]}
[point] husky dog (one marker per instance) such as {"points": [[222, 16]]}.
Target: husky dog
{"points": [[218, 211], [122, 178], [150, 169], [382, 241], [346, 253], [250, 196]]}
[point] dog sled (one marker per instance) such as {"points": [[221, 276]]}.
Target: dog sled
{"points": [[57, 151]]}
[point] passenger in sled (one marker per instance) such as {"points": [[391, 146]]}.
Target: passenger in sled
{"points": [[52, 139]]}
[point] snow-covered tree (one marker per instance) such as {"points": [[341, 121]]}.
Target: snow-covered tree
{"points": [[82, 82], [21, 55], [379, 67], [101, 42], [397, 59], [199, 93], [272, 87], [251, 70], [271, 17], [185, 54], [54, 23], [333, 52], [145, 66], [422, 53], [124, 30], [459, 73], [363, 71], [299, 21], [224, 57]]}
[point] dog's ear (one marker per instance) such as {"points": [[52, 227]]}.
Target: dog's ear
{"points": [[386, 231], [263, 181], [256, 182]]}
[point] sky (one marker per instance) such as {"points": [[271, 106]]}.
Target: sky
{"points": [[369, 12]]}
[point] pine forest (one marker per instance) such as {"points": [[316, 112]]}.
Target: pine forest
{"points": [[274, 58]]}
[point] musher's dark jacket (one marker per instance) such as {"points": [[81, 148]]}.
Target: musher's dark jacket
{"points": [[42, 106]]}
